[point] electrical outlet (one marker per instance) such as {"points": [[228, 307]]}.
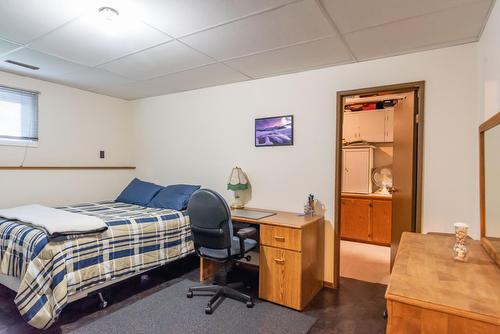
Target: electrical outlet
{"points": [[101, 154]]}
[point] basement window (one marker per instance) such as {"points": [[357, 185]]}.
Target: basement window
{"points": [[18, 117]]}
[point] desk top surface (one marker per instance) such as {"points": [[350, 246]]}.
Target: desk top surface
{"points": [[281, 218], [425, 275]]}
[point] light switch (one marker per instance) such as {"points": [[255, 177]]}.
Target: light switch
{"points": [[101, 154]]}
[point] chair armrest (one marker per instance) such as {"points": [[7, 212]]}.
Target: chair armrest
{"points": [[242, 234], [245, 233]]}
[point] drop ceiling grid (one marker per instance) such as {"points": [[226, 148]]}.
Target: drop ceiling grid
{"points": [[323, 32]]}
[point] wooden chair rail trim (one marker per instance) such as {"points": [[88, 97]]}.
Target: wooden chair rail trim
{"points": [[65, 167], [444, 309]]}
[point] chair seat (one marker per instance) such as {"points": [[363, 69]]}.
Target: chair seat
{"points": [[222, 253]]}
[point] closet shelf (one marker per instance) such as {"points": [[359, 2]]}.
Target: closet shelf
{"points": [[373, 99]]}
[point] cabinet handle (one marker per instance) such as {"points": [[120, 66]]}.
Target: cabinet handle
{"points": [[279, 238], [279, 261]]}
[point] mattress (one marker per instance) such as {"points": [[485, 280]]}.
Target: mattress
{"points": [[137, 239]]}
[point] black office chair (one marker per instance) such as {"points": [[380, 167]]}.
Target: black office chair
{"points": [[212, 231]]}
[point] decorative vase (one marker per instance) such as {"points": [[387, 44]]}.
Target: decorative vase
{"points": [[460, 250]]}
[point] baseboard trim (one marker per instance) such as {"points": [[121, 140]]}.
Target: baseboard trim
{"points": [[328, 285]]}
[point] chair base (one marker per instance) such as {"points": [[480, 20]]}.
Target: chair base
{"points": [[218, 292]]}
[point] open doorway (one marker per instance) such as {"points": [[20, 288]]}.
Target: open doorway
{"points": [[378, 177]]}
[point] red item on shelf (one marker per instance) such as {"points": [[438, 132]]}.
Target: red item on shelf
{"points": [[369, 106]]}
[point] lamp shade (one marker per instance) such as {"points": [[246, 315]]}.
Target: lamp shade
{"points": [[237, 180]]}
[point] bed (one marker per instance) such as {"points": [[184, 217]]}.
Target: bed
{"points": [[49, 274]]}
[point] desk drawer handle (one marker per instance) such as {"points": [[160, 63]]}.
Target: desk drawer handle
{"points": [[279, 238], [279, 261]]}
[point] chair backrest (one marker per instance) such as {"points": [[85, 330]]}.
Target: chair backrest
{"points": [[210, 219]]}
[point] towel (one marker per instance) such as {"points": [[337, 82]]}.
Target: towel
{"points": [[55, 222]]}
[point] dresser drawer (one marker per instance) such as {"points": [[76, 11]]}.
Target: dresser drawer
{"points": [[280, 276], [280, 237]]}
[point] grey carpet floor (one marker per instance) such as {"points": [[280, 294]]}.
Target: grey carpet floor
{"points": [[169, 311]]}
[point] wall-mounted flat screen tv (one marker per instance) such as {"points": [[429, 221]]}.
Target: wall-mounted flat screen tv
{"points": [[274, 131]]}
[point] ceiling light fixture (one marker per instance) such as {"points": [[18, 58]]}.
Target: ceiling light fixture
{"points": [[108, 13]]}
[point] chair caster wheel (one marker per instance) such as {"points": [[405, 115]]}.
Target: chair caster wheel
{"points": [[189, 294], [103, 305], [250, 304], [208, 310]]}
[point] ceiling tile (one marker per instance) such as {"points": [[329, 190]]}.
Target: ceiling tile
{"points": [[158, 61], [324, 52], [457, 25], [353, 15], [23, 20], [94, 79], [90, 40], [7, 46], [295, 23], [206, 76], [50, 66], [182, 17]]}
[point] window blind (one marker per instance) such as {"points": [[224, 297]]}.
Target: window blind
{"points": [[18, 114]]}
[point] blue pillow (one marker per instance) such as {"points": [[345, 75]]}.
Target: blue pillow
{"points": [[139, 192], [175, 197]]}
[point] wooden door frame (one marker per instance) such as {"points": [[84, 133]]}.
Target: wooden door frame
{"points": [[419, 86]]}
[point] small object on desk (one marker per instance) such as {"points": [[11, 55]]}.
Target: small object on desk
{"points": [[237, 182], [309, 206], [460, 250], [251, 214]]}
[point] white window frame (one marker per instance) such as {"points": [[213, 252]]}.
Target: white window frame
{"points": [[22, 142]]}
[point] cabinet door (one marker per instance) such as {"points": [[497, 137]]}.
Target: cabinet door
{"points": [[355, 218], [280, 276], [350, 127], [381, 221], [357, 169], [372, 126], [389, 125]]}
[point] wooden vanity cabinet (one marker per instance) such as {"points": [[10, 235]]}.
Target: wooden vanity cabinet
{"points": [[366, 218]]}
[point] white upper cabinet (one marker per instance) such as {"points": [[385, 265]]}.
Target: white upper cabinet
{"points": [[373, 126]]}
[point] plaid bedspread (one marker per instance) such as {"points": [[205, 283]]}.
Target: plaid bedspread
{"points": [[137, 239]]}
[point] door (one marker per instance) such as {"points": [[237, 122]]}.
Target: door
{"points": [[389, 125], [350, 131], [381, 221], [407, 164], [357, 169], [280, 278], [371, 126], [404, 170], [356, 219]]}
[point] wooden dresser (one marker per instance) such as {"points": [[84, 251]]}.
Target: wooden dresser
{"points": [[366, 218], [290, 255], [430, 293]]}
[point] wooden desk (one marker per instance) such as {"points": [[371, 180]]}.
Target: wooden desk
{"points": [[290, 258], [429, 292]]}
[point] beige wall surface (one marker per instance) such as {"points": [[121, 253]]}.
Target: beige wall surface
{"points": [[74, 125], [198, 136]]}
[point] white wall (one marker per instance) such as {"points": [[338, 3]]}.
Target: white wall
{"points": [[489, 66], [73, 126], [198, 136]]}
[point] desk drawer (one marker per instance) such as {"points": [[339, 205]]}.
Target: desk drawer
{"points": [[280, 237], [280, 276]]}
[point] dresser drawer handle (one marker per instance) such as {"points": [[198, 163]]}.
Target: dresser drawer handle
{"points": [[279, 261], [279, 238]]}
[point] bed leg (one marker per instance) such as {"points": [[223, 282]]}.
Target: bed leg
{"points": [[102, 302]]}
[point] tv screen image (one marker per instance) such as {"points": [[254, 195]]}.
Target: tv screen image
{"points": [[274, 131]]}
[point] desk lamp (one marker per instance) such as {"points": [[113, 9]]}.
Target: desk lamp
{"points": [[237, 182]]}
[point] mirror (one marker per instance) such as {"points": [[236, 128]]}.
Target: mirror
{"points": [[489, 135]]}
